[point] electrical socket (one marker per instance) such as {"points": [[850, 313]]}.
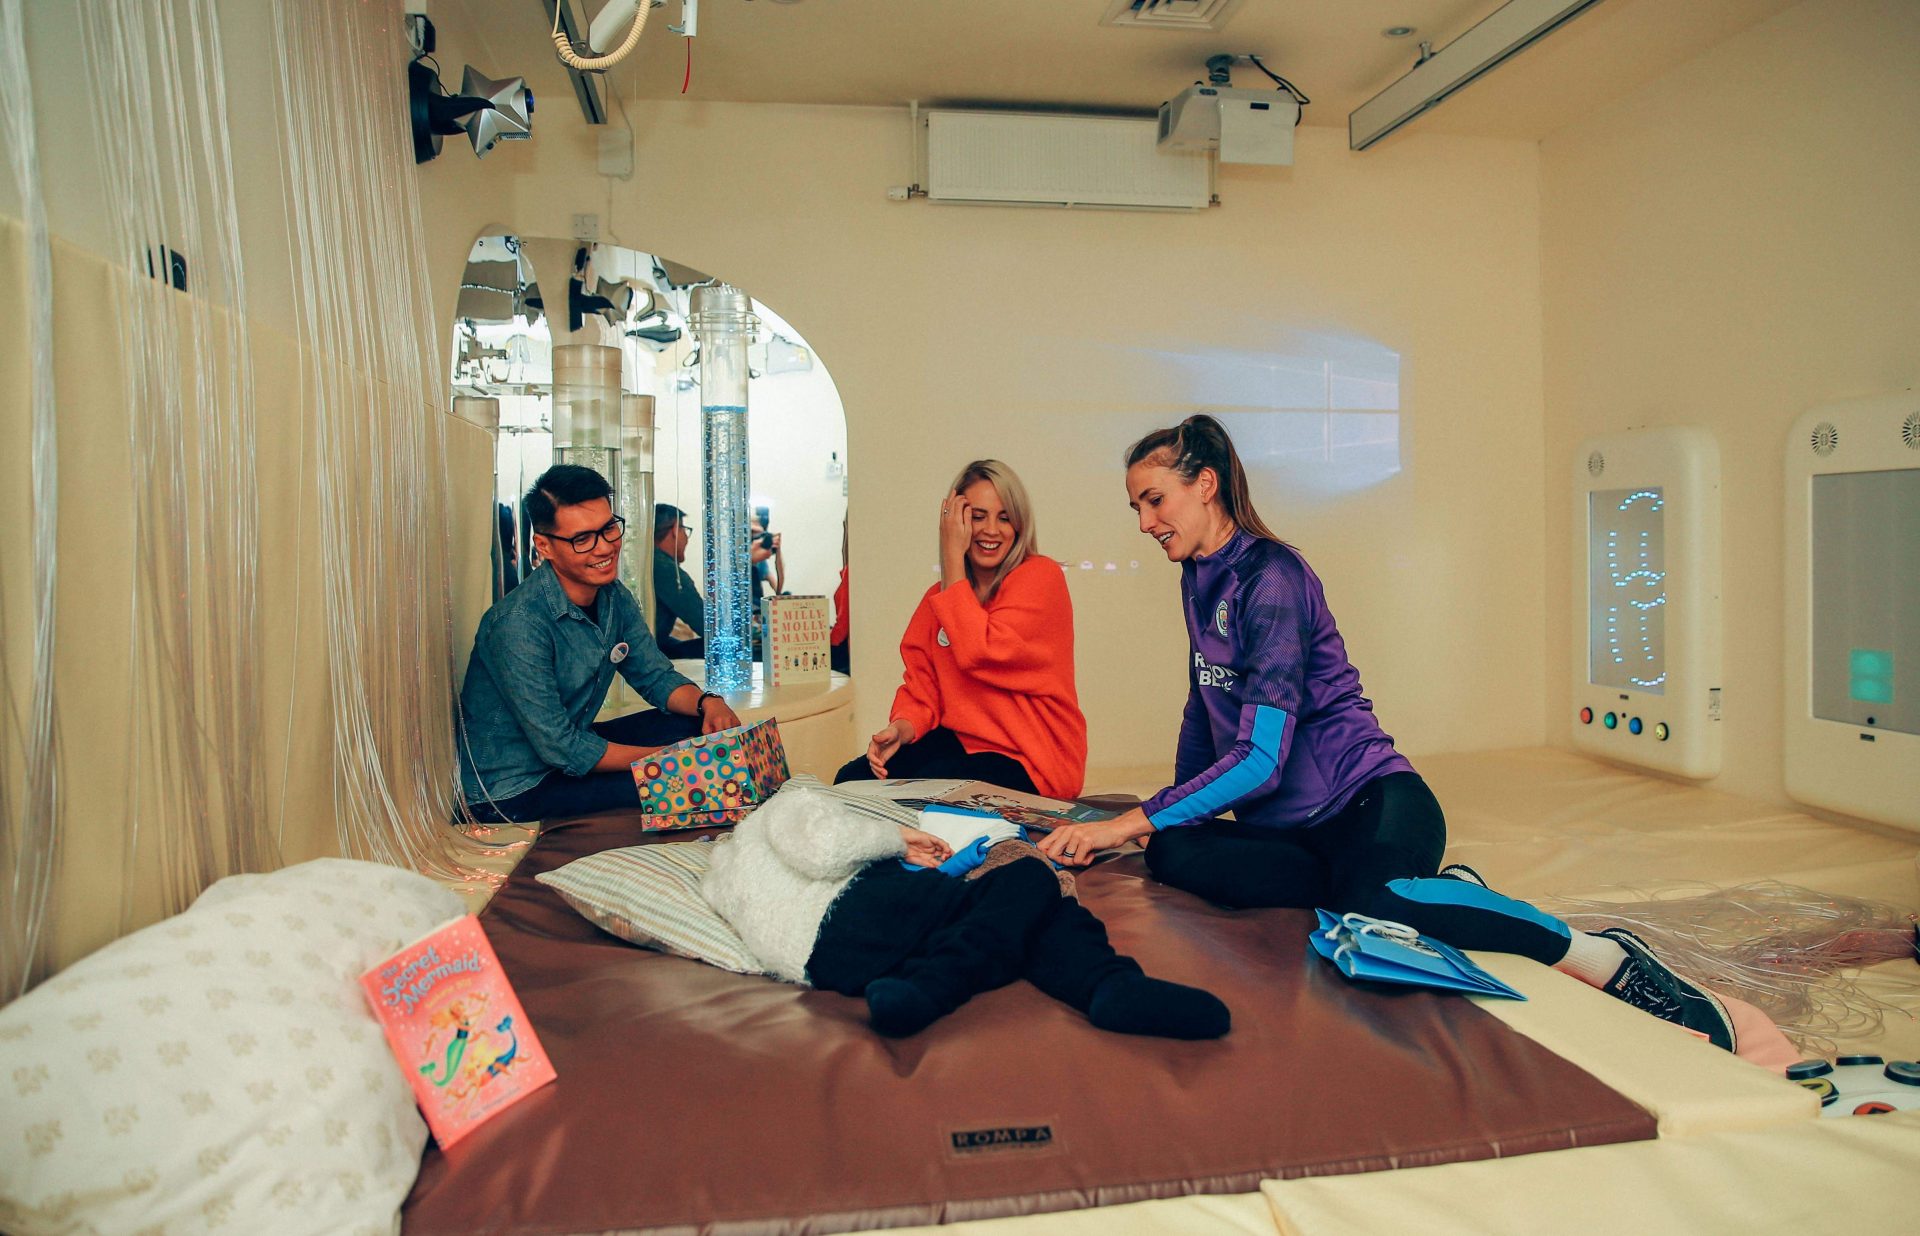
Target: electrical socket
{"points": [[586, 227]]}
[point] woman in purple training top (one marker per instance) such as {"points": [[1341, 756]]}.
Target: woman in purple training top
{"points": [[1276, 730]]}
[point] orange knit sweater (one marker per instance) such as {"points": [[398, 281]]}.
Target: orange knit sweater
{"points": [[1000, 676]]}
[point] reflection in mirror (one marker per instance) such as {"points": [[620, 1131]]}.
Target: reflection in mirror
{"points": [[563, 334]]}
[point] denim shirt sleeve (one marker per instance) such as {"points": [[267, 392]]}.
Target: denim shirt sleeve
{"points": [[520, 656], [645, 668]]}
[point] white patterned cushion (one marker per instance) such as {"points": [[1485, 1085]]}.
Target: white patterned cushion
{"points": [[650, 895], [220, 1071]]}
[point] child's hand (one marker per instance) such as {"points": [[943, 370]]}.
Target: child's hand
{"points": [[924, 849]]}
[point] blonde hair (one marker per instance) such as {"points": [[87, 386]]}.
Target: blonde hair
{"points": [[1013, 499]]}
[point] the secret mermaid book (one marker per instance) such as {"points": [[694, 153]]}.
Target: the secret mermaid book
{"points": [[456, 1028]]}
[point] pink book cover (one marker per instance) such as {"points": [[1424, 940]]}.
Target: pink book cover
{"points": [[456, 1028]]}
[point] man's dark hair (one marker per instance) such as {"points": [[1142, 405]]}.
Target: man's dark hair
{"points": [[766, 516], [562, 485], [664, 518]]}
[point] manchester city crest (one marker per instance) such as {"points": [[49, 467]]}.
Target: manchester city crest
{"points": [[1220, 618]]}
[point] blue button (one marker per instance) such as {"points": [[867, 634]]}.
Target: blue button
{"points": [[1633, 726]]}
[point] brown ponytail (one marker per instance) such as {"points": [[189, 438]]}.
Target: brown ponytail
{"points": [[1202, 442]]}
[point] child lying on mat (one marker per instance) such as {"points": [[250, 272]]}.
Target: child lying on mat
{"points": [[817, 894]]}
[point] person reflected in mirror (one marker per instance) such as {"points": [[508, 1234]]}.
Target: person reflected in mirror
{"points": [[676, 602], [839, 639], [506, 552], [1327, 814], [989, 692], [543, 658], [769, 565]]}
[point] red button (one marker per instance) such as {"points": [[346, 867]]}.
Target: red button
{"points": [[1586, 716]]}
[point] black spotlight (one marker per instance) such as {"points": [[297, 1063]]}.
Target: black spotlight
{"points": [[485, 110]]}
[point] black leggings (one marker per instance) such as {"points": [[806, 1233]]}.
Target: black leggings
{"points": [[1010, 923], [938, 753], [1377, 856]]}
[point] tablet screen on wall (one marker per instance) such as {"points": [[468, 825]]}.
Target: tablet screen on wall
{"points": [[1865, 594], [1627, 589]]}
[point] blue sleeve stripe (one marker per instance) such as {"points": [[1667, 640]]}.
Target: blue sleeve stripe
{"points": [[1445, 892], [1235, 783]]}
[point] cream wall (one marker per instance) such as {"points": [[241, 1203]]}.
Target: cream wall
{"points": [[109, 878], [1734, 244], [1039, 336]]}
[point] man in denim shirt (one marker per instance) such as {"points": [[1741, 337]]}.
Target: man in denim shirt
{"points": [[543, 659]]}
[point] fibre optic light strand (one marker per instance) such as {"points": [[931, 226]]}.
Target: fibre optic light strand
{"points": [[378, 401], [30, 832], [193, 723]]}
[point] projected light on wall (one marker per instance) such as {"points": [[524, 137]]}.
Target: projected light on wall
{"points": [[1317, 412], [1627, 594], [1646, 665]]}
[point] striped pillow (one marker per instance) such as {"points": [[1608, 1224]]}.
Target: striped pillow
{"points": [[650, 895]]}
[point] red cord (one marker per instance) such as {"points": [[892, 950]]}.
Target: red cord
{"points": [[689, 78]]}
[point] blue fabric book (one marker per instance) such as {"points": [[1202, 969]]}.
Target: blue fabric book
{"points": [[1382, 952]]}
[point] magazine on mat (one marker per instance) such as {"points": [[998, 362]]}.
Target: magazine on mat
{"points": [[1030, 811], [961, 827], [1382, 952], [457, 1029]]}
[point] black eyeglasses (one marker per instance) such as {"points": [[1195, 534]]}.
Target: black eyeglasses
{"points": [[611, 533]]}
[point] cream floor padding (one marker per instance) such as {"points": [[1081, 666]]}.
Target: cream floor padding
{"points": [[1852, 1175]]}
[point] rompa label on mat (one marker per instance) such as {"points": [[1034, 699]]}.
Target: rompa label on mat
{"points": [[1012, 1137]]}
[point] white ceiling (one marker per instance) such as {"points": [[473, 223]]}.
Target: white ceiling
{"points": [[1054, 53]]}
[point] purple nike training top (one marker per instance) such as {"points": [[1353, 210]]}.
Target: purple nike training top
{"points": [[1275, 727]]}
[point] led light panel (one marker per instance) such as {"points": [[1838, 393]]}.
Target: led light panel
{"points": [[1646, 554], [1852, 674]]}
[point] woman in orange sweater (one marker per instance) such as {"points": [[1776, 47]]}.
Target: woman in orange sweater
{"points": [[989, 693]]}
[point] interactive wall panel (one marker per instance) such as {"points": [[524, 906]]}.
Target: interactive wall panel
{"points": [[1853, 609], [1646, 600]]}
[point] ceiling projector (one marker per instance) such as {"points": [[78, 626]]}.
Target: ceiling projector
{"points": [[1245, 126]]}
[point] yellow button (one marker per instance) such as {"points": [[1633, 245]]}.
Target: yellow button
{"points": [[1660, 731]]}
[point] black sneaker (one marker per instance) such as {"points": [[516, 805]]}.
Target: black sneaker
{"points": [[1460, 871], [1645, 983]]}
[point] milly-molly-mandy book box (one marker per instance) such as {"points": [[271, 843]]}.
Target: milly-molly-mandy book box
{"points": [[795, 640], [456, 1028]]}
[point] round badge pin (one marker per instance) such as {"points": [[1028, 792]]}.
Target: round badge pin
{"points": [[619, 652], [941, 638]]}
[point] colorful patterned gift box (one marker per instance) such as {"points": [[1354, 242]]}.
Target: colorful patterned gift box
{"points": [[710, 780]]}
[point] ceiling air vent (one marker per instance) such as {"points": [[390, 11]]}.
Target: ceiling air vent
{"points": [[1170, 14], [1825, 438]]}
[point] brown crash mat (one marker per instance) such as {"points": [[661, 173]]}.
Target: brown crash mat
{"points": [[693, 1100]]}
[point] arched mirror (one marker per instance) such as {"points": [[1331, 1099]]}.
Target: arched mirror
{"points": [[614, 321]]}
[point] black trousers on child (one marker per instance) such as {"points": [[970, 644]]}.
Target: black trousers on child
{"points": [[1376, 856], [954, 939], [938, 753]]}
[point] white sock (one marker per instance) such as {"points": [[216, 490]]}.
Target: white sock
{"points": [[1591, 959]]}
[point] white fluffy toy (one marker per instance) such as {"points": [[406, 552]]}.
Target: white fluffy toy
{"points": [[774, 878]]}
